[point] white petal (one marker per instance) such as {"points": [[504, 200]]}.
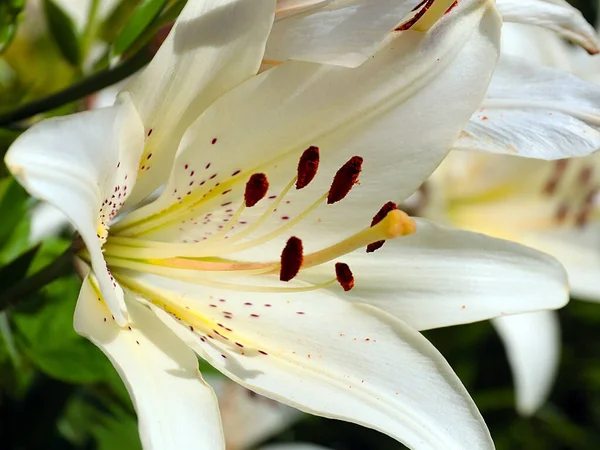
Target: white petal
{"points": [[576, 248], [293, 446], [400, 110], [46, 221], [325, 356], [537, 45], [441, 276], [213, 46], [532, 343], [536, 112], [84, 164], [343, 32], [249, 418], [175, 407], [556, 15]]}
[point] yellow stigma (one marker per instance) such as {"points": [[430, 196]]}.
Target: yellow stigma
{"points": [[432, 15], [102, 233]]}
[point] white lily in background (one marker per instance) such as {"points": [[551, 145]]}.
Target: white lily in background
{"points": [[250, 254], [551, 206], [248, 418]]}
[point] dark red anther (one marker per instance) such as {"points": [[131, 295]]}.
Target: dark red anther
{"points": [[344, 276], [256, 189], [307, 166], [385, 209], [291, 259], [344, 179]]}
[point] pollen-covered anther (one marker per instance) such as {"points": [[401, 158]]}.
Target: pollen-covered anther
{"points": [[291, 259], [307, 166], [344, 276], [256, 189], [401, 224], [345, 178]]}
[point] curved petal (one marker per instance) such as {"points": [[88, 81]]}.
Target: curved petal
{"points": [[441, 276], [213, 46], [249, 418], [302, 349], [343, 32], [537, 45], [532, 343], [175, 407], [576, 248], [536, 112], [556, 15], [84, 164], [400, 110]]}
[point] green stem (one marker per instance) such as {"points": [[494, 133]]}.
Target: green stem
{"points": [[60, 267], [81, 89]]}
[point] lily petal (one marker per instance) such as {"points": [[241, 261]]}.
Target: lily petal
{"points": [[85, 176], [213, 46], [294, 446], [302, 349], [535, 112], [556, 15], [175, 407], [532, 343], [449, 277], [576, 248], [538, 45], [248, 418], [402, 109], [343, 32]]}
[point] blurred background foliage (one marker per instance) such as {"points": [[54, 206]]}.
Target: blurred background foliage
{"points": [[58, 391]]}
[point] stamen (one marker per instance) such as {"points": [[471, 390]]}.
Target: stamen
{"points": [[291, 259], [256, 189], [397, 223], [344, 276], [307, 166], [432, 14], [381, 214], [344, 180], [425, 4]]}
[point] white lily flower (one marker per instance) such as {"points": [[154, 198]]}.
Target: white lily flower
{"points": [[240, 256], [248, 418], [551, 206]]}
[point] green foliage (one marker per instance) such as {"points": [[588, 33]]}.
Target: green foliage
{"points": [[63, 31], [139, 21], [9, 16]]}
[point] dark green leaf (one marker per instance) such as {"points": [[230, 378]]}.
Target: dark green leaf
{"points": [[12, 206], [140, 20], [44, 331], [9, 15], [117, 19], [16, 270], [63, 31]]}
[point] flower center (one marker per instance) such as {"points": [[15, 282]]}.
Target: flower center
{"points": [[211, 262]]}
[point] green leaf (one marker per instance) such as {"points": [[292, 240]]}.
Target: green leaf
{"points": [[114, 23], [12, 206], [140, 20], [63, 31], [16, 270], [9, 15], [44, 331], [98, 415]]}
